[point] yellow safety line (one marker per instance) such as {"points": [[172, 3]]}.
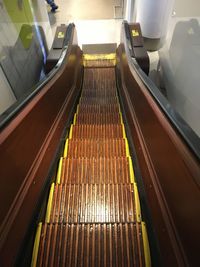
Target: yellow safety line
{"points": [[137, 203], [70, 132], [74, 121], [124, 134], [132, 177], [121, 118], [59, 171], [36, 245], [77, 109], [65, 149], [49, 205], [111, 56], [127, 148], [123, 131], [147, 255]]}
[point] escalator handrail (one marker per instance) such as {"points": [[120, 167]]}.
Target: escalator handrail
{"points": [[186, 132], [11, 112]]}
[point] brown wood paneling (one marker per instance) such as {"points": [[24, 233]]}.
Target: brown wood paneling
{"points": [[27, 146]]}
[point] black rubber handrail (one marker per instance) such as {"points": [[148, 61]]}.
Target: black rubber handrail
{"points": [[187, 133], [11, 112]]}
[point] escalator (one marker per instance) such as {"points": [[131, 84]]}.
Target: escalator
{"points": [[93, 214], [97, 168]]}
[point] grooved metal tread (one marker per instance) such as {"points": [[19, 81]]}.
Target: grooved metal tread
{"points": [[96, 118], [104, 76], [91, 245], [99, 92], [98, 101], [95, 170], [99, 108], [93, 203], [99, 63], [96, 148], [98, 131]]}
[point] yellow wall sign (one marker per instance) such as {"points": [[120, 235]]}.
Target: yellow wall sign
{"points": [[135, 33], [61, 35]]}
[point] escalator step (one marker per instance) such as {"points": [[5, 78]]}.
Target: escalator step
{"points": [[92, 118], [117, 244], [95, 170], [99, 63], [97, 131], [96, 148], [99, 92], [102, 74], [97, 108], [98, 101], [93, 203]]}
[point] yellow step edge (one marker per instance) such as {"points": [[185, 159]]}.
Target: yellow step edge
{"points": [[111, 56], [74, 121], [137, 204], [49, 204], [121, 118], [127, 148], [59, 172], [70, 132], [77, 109], [132, 176], [36, 245], [124, 134], [66, 148], [123, 131], [147, 255], [119, 104]]}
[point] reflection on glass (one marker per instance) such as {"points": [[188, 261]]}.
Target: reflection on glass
{"points": [[24, 44], [179, 62]]}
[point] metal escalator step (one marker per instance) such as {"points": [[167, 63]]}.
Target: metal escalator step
{"points": [[96, 148], [117, 244], [98, 131], [99, 63], [96, 118], [98, 101], [98, 87], [99, 92], [95, 170], [93, 203], [97, 108], [102, 74]]}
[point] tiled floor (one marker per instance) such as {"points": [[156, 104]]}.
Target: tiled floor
{"points": [[87, 9], [94, 20]]}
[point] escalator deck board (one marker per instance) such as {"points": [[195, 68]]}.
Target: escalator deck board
{"points": [[96, 148], [95, 203], [91, 245], [95, 170]]}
